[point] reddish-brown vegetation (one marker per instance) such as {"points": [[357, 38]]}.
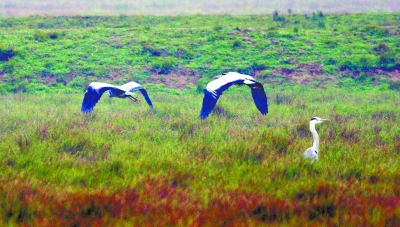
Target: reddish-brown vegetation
{"points": [[165, 202]]}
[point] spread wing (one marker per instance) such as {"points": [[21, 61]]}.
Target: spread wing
{"points": [[93, 94], [209, 102], [213, 92], [131, 86], [146, 96], [259, 97]]}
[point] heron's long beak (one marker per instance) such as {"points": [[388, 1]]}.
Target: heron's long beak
{"points": [[326, 120]]}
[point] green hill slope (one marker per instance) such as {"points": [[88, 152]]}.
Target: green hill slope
{"points": [[68, 52]]}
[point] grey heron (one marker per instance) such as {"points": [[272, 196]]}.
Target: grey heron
{"points": [[215, 88], [96, 89], [312, 152]]}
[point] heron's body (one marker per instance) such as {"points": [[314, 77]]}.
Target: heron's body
{"points": [[96, 89], [312, 152], [215, 88]]}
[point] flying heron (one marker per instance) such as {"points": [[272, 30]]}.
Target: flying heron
{"points": [[96, 89], [215, 88]]}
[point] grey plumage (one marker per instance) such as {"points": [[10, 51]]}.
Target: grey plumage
{"points": [[312, 152], [96, 89], [216, 87]]}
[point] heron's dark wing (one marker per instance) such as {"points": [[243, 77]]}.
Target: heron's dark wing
{"points": [[209, 102], [92, 96], [212, 93], [259, 97], [146, 96]]}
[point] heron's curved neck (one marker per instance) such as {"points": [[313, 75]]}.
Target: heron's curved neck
{"points": [[315, 136]]}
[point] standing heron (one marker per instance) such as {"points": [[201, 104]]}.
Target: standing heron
{"points": [[96, 89], [215, 88], [312, 152]]}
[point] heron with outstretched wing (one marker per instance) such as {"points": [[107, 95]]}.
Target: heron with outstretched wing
{"points": [[216, 87], [96, 89]]}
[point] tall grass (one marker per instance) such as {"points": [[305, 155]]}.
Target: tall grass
{"points": [[122, 164]]}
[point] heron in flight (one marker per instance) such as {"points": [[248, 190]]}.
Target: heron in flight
{"points": [[312, 152], [215, 88], [96, 89]]}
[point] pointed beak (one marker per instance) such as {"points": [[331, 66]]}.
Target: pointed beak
{"points": [[326, 120]]}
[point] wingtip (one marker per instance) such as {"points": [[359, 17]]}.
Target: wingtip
{"points": [[203, 116], [86, 111]]}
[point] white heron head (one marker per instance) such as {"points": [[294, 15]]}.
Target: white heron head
{"points": [[318, 120]]}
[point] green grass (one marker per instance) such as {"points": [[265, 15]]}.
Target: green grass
{"points": [[237, 157]]}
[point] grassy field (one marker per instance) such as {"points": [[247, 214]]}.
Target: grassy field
{"points": [[123, 165]]}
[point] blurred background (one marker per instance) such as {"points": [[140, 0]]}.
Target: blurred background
{"points": [[182, 7]]}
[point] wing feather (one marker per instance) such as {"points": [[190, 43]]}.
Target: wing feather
{"points": [[131, 86], [92, 95], [209, 102], [259, 97], [213, 91], [146, 96]]}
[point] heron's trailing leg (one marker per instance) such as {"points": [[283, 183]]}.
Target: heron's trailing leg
{"points": [[134, 99]]}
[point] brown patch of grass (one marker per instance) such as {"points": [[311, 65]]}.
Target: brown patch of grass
{"points": [[49, 79], [350, 135], [302, 74], [303, 131], [177, 79], [391, 75]]}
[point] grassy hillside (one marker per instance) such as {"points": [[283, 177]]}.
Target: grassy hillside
{"points": [[39, 53], [122, 165]]}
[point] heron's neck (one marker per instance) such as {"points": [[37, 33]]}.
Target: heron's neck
{"points": [[315, 136]]}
